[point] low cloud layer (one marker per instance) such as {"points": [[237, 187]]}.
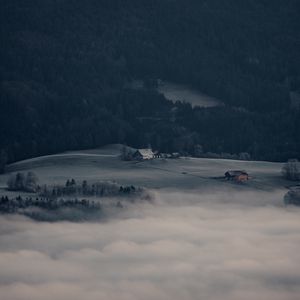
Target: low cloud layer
{"points": [[241, 245]]}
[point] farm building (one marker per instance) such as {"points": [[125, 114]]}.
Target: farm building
{"points": [[237, 175], [143, 154], [157, 154], [175, 155]]}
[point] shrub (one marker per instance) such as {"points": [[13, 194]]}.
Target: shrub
{"points": [[291, 170], [31, 182]]}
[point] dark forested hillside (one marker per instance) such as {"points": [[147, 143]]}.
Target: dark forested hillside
{"points": [[65, 66]]}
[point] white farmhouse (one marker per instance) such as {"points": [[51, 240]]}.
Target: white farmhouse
{"points": [[143, 154]]}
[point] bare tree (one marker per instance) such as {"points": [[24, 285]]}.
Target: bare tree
{"points": [[31, 182], [291, 170], [126, 153]]}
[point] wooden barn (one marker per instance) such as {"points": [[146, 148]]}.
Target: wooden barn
{"points": [[237, 175]]}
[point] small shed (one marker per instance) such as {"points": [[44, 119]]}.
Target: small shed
{"points": [[157, 154], [143, 154], [237, 175], [175, 155]]}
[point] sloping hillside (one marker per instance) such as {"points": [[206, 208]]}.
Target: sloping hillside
{"points": [[65, 65], [184, 173]]}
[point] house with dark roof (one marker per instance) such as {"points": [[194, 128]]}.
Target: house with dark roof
{"points": [[237, 175]]}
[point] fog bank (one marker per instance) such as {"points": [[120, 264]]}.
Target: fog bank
{"points": [[185, 246]]}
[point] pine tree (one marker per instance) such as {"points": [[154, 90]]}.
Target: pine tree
{"points": [[3, 161]]}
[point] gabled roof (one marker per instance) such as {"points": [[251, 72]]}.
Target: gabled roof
{"points": [[145, 153], [234, 173]]}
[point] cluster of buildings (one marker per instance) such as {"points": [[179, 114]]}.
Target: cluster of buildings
{"points": [[238, 176], [146, 154]]}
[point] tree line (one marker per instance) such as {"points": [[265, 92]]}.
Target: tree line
{"points": [[14, 205], [65, 67]]}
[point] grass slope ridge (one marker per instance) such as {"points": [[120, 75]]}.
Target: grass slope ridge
{"points": [[184, 173]]}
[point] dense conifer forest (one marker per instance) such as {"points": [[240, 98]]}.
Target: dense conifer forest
{"points": [[66, 68]]}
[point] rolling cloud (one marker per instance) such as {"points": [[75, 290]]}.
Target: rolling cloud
{"points": [[186, 246]]}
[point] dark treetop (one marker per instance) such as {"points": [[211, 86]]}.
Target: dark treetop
{"points": [[65, 68]]}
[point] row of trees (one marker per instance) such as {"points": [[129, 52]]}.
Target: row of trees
{"points": [[13, 205], [29, 183], [99, 189]]}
